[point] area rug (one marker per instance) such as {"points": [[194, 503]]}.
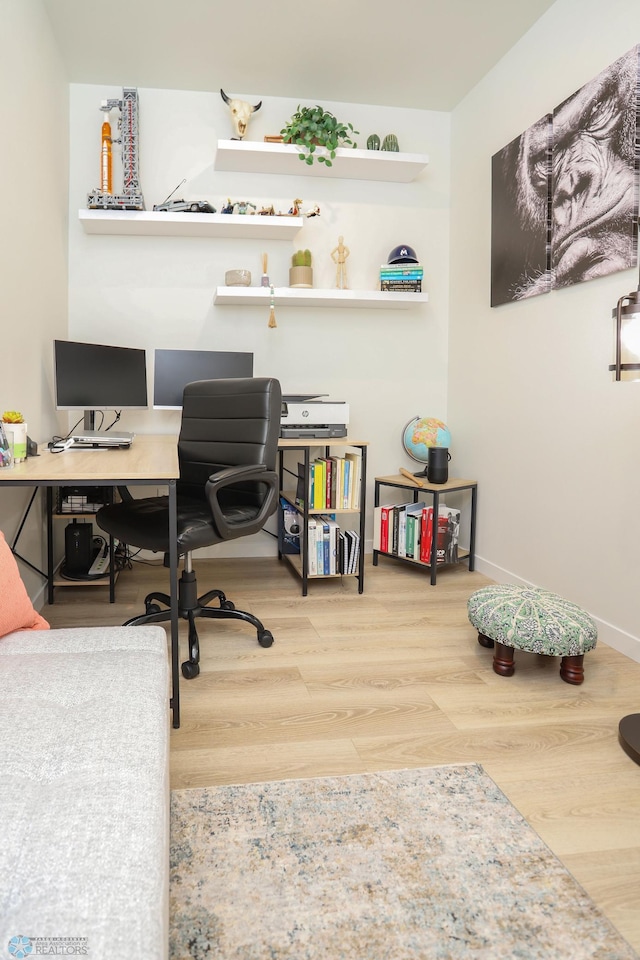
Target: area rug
{"points": [[432, 863]]}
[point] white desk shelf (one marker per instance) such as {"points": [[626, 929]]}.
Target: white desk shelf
{"points": [[149, 223], [304, 297], [246, 156]]}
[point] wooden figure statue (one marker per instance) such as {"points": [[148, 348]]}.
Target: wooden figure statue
{"points": [[339, 256]]}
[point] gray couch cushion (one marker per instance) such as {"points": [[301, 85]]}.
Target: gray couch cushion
{"points": [[84, 788]]}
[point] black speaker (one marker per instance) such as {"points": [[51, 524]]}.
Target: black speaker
{"points": [[78, 548], [438, 465]]}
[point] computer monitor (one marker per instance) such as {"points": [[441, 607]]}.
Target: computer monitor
{"points": [[174, 369], [94, 376]]}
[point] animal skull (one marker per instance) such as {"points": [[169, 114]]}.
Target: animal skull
{"points": [[240, 114]]}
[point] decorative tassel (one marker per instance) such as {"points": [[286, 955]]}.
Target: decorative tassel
{"points": [[264, 282], [272, 312]]}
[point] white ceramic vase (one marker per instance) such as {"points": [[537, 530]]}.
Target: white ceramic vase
{"points": [[17, 437]]}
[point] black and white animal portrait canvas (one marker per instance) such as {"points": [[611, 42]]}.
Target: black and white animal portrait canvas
{"points": [[565, 192]]}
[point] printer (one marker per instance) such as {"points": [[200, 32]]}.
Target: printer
{"points": [[312, 415]]}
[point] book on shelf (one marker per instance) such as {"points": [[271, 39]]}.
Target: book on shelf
{"points": [[413, 521], [401, 286], [401, 544], [301, 486], [319, 484], [312, 547], [386, 514], [355, 479], [397, 270], [446, 532], [400, 278], [323, 545], [354, 551], [331, 531]]}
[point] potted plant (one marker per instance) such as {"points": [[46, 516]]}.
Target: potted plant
{"points": [[312, 127], [301, 271], [15, 430]]}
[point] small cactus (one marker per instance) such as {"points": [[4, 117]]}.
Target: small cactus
{"points": [[390, 143], [373, 142], [302, 258]]}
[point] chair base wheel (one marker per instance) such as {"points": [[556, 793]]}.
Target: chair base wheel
{"points": [[265, 639], [190, 669]]}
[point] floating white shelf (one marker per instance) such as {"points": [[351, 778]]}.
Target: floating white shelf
{"points": [[247, 156], [149, 223], [303, 297]]}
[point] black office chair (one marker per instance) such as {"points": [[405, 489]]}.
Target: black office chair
{"points": [[228, 487]]}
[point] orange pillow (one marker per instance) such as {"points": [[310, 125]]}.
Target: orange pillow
{"points": [[16, 609]]}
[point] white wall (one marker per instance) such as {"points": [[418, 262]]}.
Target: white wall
{"points": [[534, 413], [33, 237], [158, 292]]}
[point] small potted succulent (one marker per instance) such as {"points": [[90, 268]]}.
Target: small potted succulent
{"points": [[312, 127], [301, 271], [15, 430]]}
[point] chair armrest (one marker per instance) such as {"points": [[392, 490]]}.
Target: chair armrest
{"points": [[257, 472]]}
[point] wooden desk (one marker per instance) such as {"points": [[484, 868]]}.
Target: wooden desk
{"points": [[150, 460]]}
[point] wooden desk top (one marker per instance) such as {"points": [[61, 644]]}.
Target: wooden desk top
{"points": [[293, 442], [150, 457], [421, 483]]}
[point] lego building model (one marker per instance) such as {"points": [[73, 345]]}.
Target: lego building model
{"points": [[103, 198]]}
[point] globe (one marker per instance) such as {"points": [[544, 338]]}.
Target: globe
{"points": [[424, 432]]}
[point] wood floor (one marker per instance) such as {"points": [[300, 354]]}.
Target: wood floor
{"points": [[395, 678]]}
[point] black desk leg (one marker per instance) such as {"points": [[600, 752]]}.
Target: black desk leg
{"points": [[50, 544], [173, 592], [472, 532], [363, 516], [434, 538]]}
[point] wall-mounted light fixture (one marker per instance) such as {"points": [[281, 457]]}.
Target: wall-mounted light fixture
{"points": [[627, 336]]}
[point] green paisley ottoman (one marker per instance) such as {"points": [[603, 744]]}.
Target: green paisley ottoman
{"points": [[528, 618]]}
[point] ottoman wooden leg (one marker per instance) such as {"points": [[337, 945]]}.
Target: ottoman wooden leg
{"points": [[503, 660], [484, 641], [572, 670]]}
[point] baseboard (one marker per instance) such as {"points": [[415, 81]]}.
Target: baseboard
{"points": [[613, 636]]}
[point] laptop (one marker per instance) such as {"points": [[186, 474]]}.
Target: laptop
{"points": [[89, 438]]}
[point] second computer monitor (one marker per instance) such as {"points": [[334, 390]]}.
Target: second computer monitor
{"points": [[174, 369]]}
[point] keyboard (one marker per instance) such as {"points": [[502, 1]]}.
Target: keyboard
{"points": [[102, 438]]}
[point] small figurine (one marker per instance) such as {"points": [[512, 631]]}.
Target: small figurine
{"points": [[228, 207], [243, 206], [339, 256], [314, 212], [294, 211], [267, 212]]}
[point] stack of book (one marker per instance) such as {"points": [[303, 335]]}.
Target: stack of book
{"points": [[407, 530], [401, 277], [334, 483], [331, 550]]}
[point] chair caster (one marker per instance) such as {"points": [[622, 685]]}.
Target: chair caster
{"points": [[152, 608], [190, 669], [265, 639], [227, 605]]}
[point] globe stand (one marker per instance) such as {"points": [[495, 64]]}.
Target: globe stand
{"points": [[425, 432]]}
